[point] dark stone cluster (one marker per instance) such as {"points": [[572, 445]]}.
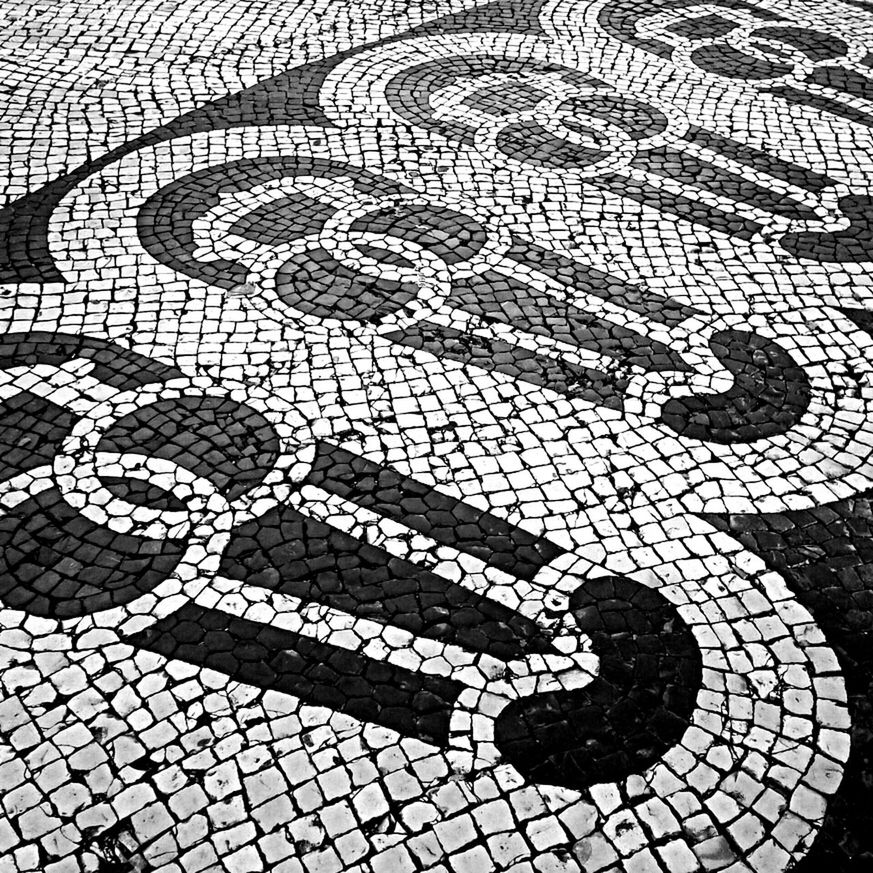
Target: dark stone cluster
{"points": [[555, 332]]}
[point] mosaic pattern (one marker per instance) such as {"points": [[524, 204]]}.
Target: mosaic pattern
{"points": [[436, 437]]}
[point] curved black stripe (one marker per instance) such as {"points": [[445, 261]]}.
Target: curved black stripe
{"points": [[769, 396], [637, 708], [56, 563], [290, 97]]}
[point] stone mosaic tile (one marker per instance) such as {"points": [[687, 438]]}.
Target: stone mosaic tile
{"points": [[436, 437]]}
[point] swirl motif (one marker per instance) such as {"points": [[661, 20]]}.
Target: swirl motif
{"points": [[505, 695], [797, 62], [577, 126], [357, 252], [611, 662]]}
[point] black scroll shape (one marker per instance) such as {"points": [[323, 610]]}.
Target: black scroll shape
{"points": [[851, 245], [165, 221], [532, 143], [216, 438], [31, 428], [55, 562], [726, 60], [317, 284], [287, 552], [284, 551], [409, 92], [637, 708], [290, 97], [825, 556], [769, 396]]}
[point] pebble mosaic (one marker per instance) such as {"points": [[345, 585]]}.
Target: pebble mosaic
{"points": [[436, 437]]}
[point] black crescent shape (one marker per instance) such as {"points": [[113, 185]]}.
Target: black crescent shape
{"points": [[769, 396], [631, 714], [56, 563], [852, 245]]}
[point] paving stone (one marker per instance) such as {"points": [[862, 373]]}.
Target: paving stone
{"points": [[436, 436]]}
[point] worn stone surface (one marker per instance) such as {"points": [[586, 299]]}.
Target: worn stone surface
{"points": [[436, 437]]}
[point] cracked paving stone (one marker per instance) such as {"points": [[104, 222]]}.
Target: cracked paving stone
{"points": [[435, 437]]}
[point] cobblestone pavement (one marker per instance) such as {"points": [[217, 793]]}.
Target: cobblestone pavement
{"points": [[436, 436]]}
